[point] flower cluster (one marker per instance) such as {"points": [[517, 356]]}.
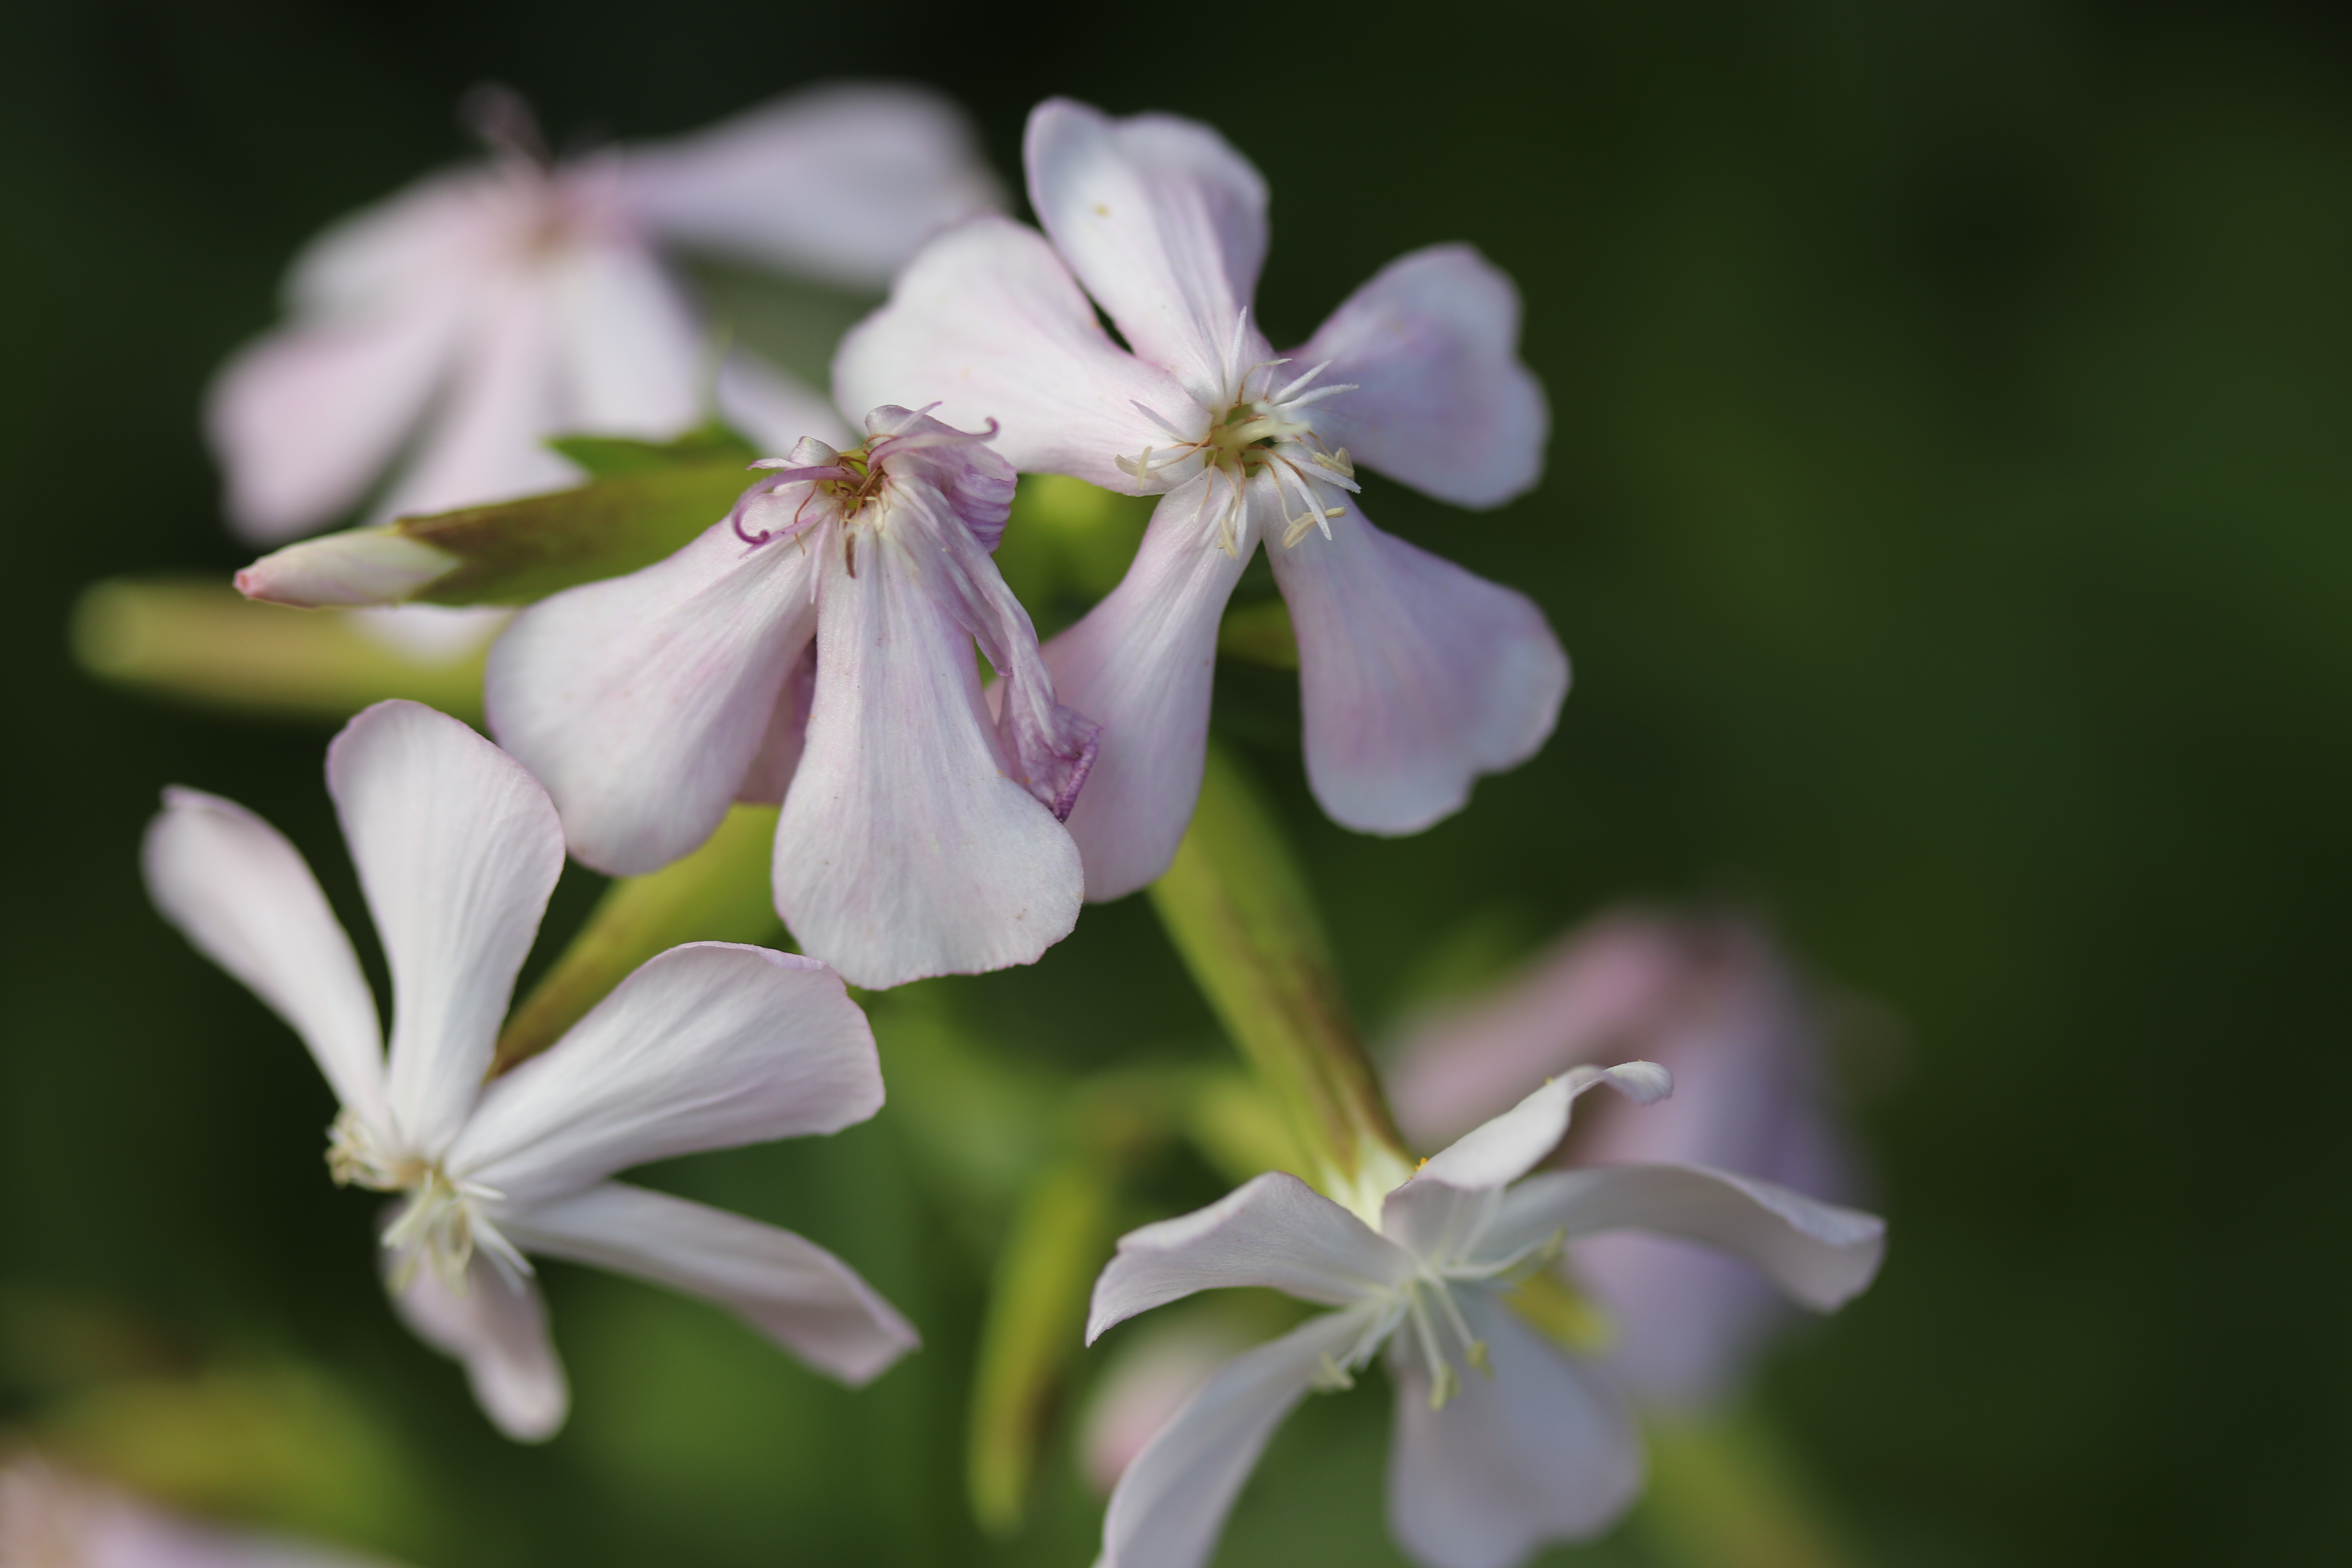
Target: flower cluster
{"points": [[818, 650]]}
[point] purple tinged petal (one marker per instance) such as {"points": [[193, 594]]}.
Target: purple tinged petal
{"points": [[1161, 221], [1442, 400], [791, 1289], [1415, 677], [770, 775], [707, 1045], [987, 324], [645, 702], [1142, 664], [1542, 1450], [497, 1328], [457, 849]]}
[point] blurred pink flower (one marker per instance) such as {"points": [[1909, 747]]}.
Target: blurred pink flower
{"points": [[51, 1520], [816, 646], [484, 309], [707, 1045], [1415, 676], [1711, 1001]]}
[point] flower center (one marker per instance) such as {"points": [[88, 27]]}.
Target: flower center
{"points": [[442, 1222]]}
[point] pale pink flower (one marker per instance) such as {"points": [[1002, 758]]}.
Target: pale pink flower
{"points": [[477, 312], [1713, 1001], [1503, 1440], [52, 1520], [816, 646], [705, 1047], [1415, 676]]}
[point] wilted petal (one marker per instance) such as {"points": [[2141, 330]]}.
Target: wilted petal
{"points": [[360, 566], [1542, 1450], [640, 703], [1414, 676], [1161, 220], [629, 358], [791, 1289], [1142, 664], [243, 895], [1442, 402], [840, 182], [457, 849], [497, 1328], [1499, 1151], [705, 1047], [988, 324], [303, 420], [905, 848], [1170, 1505], [1274, 1230], [1819, 1253]]}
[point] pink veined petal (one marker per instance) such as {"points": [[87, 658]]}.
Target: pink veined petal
{"points": [[305, 420], [705, 1047], [843, 183], [1274, 1230], [497, 1330], [485, 443], [789, 1289], [905, 848], [1542, 1450], [643, 702], [773, 409], [1499, 1151], [1442, 401], [457, 849], [628, 355], [1171, 1503], [987, 324], [1414, 676], [1161, 221], [778, 754], [1818, 1253], [1141, 665], [244, 898]]}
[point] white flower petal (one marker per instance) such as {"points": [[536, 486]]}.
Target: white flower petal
{"points": [[770, 775], [1542, 1450], [497, 1328], [1171, 1503], [424, 241], [775, 410], [304, 419], [244, 896], [904, 848], [1819, 1253], [457, 848], [1274, 1230], [629, 358], [1442, 402], [1161, 220], [840, 182], [1142, 664], [1501, 1151], [640, 703], [1415, 677], [705, 1047], [789, 1289], [988, 324]]}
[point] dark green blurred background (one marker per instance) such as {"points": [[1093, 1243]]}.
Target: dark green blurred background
{"points": [[1950, 513]]}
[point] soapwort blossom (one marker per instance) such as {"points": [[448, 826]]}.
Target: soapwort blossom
{"points": [[469, 316], [705, 1047], [50, 1519], [816, 646], [1415, 676], [1503, 1440]]}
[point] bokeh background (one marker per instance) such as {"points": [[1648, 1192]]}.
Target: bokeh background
{"points": [[1949, 512]]}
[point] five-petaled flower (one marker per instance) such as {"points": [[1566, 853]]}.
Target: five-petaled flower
{"points": [[707, 1045], [495, 305], [816, 646], [1503, 1441], [1415, 676]]}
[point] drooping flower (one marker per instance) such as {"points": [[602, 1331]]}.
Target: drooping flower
{"points": [[1714, 1002], [482, 309], [708, 1046], [1503, 1439], [50, 1519], [1415, 676], [816, 646]]}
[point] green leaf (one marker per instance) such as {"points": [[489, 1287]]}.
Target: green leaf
{"points": [[614, 457]]}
